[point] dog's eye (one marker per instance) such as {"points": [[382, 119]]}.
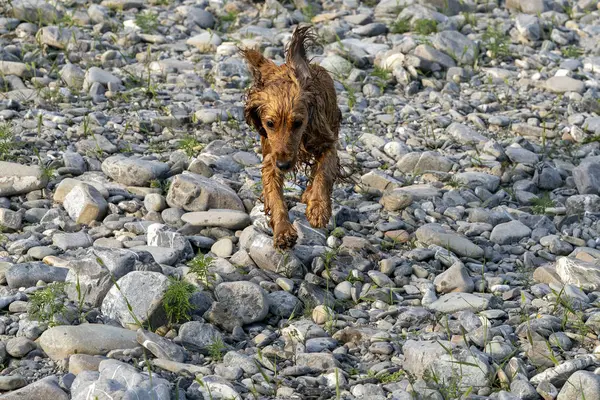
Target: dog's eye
{"points": [[270, 124], [297, 124]]}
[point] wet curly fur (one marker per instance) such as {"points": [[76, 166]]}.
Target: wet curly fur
{"points": [[294, 109]]}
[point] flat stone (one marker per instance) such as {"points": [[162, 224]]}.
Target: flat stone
{"points": [[28, 274], [454, 302], [19, 179], [134, 171], [465, 134], [230, 219], [438, 235], [475, 179], [509, 232], [564, 84], [63, 341], [12, 382], [586, 275], [193, 192], [44, 389]]}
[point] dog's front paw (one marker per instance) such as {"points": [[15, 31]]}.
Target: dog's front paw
{"points": [[284, 237], [318, 213]]}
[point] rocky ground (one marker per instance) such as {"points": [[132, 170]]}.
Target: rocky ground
{"points": [[464, 261]]}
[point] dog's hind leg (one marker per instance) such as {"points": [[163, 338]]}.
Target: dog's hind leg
{"points": [[284, 233], [318, 199]]}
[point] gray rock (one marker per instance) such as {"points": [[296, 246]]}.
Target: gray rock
{"points": [[18, 179], [478, 179], [161, 255], [580, 273], [155, 202], [527, 6], [582, 384], [28, 274], [528, 27], [35, 11], [58, 37], [44, 389], [244, 301], [85, 204], [160, 236], [72, 76], [430, 54], [200, 17], [337, 65], [465, 134], [205, 42], [559, 374], [472, 371], [197, 336], [213, 386], [420, 162], [509, 232], [97, 75], [19, 347], [438, 235], [60, 342], [230, 219], [144, 291], [66, 241], [454, 302], [133, 171], [587, 176], [396, 200], [454, 279], [10, 220], [284, 304], [115, 378], [192, 192], [12, 382], [564, 84], [159, 346], [89, 280], [583, 203], [457, 46], [261, 250], [518, 154], [420, 355], [317, 361]]}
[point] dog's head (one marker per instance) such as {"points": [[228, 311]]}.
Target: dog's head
{"points": [[278, 103]]}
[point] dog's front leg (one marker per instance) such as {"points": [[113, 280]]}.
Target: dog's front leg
{"points": [[318, 198], [284, 233]]}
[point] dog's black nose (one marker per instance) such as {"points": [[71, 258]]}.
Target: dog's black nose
{"points": [[284, 165]]}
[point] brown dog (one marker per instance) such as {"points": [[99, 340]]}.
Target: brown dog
{"points": [[294, 109]]}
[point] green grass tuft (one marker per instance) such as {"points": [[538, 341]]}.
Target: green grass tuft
{"points": [[147, 21], [47, 303], [425, 26], [176, 301]]}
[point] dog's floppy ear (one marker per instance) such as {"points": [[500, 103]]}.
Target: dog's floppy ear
{"points": [[296, 52], [253, 119], [255, 61]]}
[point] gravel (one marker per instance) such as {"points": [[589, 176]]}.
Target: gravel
{"points": [[462, 258]]}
